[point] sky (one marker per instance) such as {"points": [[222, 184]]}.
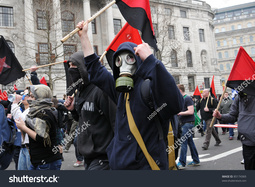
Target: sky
{"points": [[226, 3]]}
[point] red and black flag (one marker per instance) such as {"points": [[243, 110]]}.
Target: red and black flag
{"points": [[10, 68], [242, 75], [212, 89], [126, 34], [138, 15], [197, 94]]}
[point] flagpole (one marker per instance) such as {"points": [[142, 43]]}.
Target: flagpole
{"points": [[207, 99], [102, 56], [45, 65], [29, 80], [214, 118], [89, 20]]}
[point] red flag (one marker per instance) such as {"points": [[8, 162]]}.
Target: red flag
{"points": [[197, 93], [242, 75], [138, 15], [0, 92], [126, 34], [212, 89], [14, 87], [43, 81], [4, 96]]}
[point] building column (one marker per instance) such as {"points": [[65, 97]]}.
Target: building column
{"points": [[110, 24], [58, 30], [29, 32], [87, 15]]}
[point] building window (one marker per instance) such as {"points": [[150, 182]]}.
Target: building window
{"points": [[223, 29], [249, 25], [191, 83], [67, 21], [153, 10], [233, 27], [251, 38], [168, 11], [41, 20], [174, 58], [117, 25], [155, 27], [228, 66], [189, 59], [234, 41], [42, 56], [226, 54], [253, 50], [230, 14], [6, 16], [201, 35], [218, 43], [95, 47], [94, 28], [225, 43], [219, 55], [241, 40], [237, 13], [171, 32], [239, 26], [176, 79], [221, 67], [207, 82], [216, 30], [186, 33], [235, 52], [69, 50], [11, 45], [183, 13]]}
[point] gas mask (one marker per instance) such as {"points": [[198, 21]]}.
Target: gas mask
{"points": [[126, 63]]}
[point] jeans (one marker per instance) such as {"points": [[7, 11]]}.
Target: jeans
{"points": [[78, 156], [24, 159], [188, 140], [56, 165], [209, 132]]}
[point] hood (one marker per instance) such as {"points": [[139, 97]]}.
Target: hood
{"points": [[126, 46], [41, 92], [78, 60]]}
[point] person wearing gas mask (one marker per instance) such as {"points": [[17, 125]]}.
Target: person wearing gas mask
{"points": [[95, 112], [138, 142]]}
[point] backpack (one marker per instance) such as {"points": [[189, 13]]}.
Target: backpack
{"points": [[8, 138], [173, 124]]}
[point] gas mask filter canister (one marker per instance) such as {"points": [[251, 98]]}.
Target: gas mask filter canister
{"points": [[126, 63]]}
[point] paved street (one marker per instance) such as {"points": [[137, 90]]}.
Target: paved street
{"points": [[227, 156]]}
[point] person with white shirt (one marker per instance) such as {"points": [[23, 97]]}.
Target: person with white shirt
{"points": [[24, 162]]}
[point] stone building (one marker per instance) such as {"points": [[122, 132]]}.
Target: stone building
{"points": [[184, 31], [234, 27]]}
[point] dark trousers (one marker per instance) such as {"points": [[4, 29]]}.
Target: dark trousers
{"points": [[249, 157]]}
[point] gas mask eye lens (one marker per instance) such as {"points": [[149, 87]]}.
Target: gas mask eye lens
{"points": [[130, 59], [118, 61]]}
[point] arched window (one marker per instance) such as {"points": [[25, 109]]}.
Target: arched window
{"points": [[221, 67], [216, 30], [189, 59], [249, 24], [67, 21], [220, 55], [11, 45], [174, 58]]}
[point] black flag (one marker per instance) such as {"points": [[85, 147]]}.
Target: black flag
{"points": [[10, 68]]}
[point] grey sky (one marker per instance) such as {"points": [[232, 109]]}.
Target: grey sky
{"points": [[226, 3]]}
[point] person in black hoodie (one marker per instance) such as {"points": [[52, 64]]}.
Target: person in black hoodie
{"points": [[95, 112], [132, 65]]}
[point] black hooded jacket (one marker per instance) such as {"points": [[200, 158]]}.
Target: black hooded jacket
{"points": [[95, 112]]}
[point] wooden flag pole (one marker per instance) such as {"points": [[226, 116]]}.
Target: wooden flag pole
{"points": [[29, 80], [90, 19], [45, 65], [207, 99], [214, 118], [102, 56]]}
